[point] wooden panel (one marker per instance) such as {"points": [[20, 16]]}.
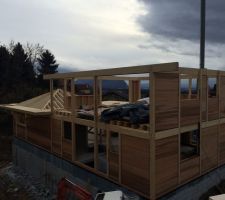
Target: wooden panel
{"points": [[204, 97], [113, 165], [84, 100], [38, 129], [135, 163], [56, 136], [190, 112], [35, 137], [222, 144], [189, 169], [67, 149], [222, 96], [166, 101], [209, 148], [166, 164], [213, 108], [20, 131]]}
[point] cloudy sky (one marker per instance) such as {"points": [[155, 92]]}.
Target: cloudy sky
{"points": [[112, 33]]}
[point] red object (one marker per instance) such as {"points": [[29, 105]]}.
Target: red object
{"points": [[68, 190]]}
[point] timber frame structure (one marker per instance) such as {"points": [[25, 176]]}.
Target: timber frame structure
{"points": [[148, 159]]}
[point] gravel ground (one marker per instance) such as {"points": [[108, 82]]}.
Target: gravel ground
{"points": [[15, 184]]}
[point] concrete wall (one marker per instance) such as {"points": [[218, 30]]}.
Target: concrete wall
{"points": [[49, 169]]}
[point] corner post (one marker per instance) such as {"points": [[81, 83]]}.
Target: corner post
{"points": [[152, 136], [95, 91], [51, 95]]}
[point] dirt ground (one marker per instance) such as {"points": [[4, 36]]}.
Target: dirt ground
{"points": [[9, 190]]}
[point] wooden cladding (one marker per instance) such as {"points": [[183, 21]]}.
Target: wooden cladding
{"points": [[189, 169], [56, 136], [38, 131], [209, 148], [166, 101], [222, 96], [222, 144], [166, 164], [135, 163], [190, 112]]}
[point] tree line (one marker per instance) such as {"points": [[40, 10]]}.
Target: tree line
{"points": [[21, 71]]}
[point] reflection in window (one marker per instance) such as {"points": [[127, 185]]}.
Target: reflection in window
{"points": [[212, 87], [184, 88], [194, 87]]}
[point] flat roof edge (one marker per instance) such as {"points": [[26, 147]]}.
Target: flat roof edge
{"points": [[28, 110], [163, 67]]}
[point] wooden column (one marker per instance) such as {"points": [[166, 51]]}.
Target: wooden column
{"points": [[95, 91], [73, 112], [65, 94], [73, 99], [218, 134], [51, 95], [100, 92], [179, 125], [152, 136], [130, 91]]}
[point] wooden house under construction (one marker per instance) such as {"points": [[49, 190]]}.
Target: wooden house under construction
{"points": [[182, 139]]}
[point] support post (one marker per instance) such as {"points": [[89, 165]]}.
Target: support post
{"points": [[152, 136], [51, 95], [96, 122]]}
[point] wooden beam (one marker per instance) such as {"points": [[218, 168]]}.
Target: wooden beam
{"points": [[65, 94], [166, 133], [51, 95], [164, 67], [96, 122], [73, 99], [189, 71], [152, 137]]}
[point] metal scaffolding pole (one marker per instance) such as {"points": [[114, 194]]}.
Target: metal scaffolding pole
{"points": [[202, 35]]}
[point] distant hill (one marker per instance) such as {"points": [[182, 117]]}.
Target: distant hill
{"points": [[107, 84]]}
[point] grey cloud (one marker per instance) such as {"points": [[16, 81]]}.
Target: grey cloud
{"points": [[180, 19]]}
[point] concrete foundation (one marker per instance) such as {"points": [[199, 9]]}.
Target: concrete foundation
{"points": [[49, 169]]}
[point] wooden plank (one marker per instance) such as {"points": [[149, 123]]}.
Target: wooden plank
{"points": [[56, 136], [213, 108], [222, 97], [67, 149], [166, 101], [209, 145], [164, 67], [152, 123], [190, 111], [166, 164], [128, 131], [96, 96], [189, 71], [135, 163], [189, 169], [210, 123], [168, 133], [222, 144], [51, 94]]}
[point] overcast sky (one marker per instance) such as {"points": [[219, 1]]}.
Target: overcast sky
{"points": [[112, 33]]}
